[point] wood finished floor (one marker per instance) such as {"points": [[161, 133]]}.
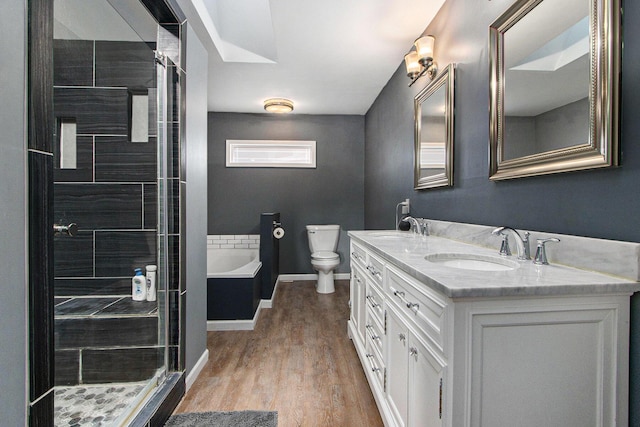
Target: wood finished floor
{"points": [[298, 361]]}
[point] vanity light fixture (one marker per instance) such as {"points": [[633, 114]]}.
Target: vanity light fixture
{"points": [[419, 61], [278, 105]]}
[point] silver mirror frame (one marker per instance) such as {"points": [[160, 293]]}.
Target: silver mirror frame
{"points": [[601, 151], [445, 78]]}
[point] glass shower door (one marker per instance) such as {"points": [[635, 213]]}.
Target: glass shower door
{"points": [[110, 206]]}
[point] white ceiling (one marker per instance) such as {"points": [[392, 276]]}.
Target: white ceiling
{"points": [[328, 57]]}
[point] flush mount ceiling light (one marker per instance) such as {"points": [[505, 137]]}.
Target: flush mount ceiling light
{"points": [[278, 105], [419, 61]]}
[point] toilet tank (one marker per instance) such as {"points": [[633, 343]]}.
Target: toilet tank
{"points": [[323, 237]]}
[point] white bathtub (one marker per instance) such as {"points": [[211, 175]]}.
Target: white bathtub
{"points": [[232, 263]]}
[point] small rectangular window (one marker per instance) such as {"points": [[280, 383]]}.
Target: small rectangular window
{"points": [[270, 154]]}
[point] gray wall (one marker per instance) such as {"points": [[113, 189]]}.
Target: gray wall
{"points": [[330, 194], [602, 204], [13, 316], [196, 203]]}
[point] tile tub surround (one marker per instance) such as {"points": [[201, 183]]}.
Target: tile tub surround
{"points": [[527, 279], [233, 241]]}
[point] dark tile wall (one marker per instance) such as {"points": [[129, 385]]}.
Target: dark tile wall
{"points": [[110, 194], [113, 197], [40, 176]]}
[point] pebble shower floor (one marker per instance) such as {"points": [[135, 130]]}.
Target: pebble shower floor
{"points": [[93, 405]]}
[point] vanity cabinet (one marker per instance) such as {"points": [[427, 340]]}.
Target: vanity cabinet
{"points": [[467, 358], [415, 376]]}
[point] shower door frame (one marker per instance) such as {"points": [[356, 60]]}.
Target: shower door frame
{"points": [[39, 157]]}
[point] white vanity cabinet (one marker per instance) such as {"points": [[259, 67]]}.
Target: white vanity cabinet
{"points": [[414, 376], [472, 354]]}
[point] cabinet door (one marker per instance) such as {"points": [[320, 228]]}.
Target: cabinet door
{"points": [[397, 367], [358, 302], [426, 370]]}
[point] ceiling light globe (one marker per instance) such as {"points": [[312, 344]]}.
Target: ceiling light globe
{"points": [[278, 105]]}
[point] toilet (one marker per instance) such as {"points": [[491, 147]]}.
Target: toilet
{"points": [[323, 242]]}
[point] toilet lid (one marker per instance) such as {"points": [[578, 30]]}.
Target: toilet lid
{"points": [[324, 255]]}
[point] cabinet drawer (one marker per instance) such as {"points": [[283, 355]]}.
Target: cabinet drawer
{"points": [[375, 268], [419, 304], [375, 366], [374, 299], [358, 255], [374, 333]]}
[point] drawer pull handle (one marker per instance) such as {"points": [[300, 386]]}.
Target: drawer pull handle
{"points": [[373, 271], [373, 302], [413, 351], [369, 326], [402, 337], [399, 294], [356, 256], [413, 306], [369, 355], [374, 369]]}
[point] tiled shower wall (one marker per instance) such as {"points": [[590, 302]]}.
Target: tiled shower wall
{"points": [[112, 196]]}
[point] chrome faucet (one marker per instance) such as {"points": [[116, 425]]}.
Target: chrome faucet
{"points": [[522, 245], [414, 223]]}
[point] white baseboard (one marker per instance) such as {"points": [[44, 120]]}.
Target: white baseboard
{"points": [[197, 368], [268, 303], [310, 276]]}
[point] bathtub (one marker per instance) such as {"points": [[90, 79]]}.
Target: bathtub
{"points": [[233, 284], [232, 263]]}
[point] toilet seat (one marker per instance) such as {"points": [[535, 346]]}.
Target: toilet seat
{"points": [[325, 255]]}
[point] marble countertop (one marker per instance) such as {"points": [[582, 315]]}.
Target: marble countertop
{"points": [[527, 279]]}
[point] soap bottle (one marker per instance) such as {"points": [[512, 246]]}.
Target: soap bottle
{"points": [[151, 282], [138, 286]]}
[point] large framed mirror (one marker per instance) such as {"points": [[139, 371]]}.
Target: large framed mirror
{"points": [[434, 115], [555, 68]]}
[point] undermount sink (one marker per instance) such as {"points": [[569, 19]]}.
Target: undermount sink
{"points": [[472, 262], [393, 235]]}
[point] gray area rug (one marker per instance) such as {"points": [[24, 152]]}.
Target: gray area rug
{"points": [[224, 419]]}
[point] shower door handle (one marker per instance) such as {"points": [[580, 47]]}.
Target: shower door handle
{"points": [[68, 230]]}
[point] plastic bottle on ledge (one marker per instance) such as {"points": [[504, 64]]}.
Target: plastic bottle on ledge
{"points": [[151, 282], [139, 286]]}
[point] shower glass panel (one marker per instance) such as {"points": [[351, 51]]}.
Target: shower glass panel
{"points": [[110, 181]]}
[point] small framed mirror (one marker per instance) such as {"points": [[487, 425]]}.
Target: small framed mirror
{"points": [[554, 87], [434, 114]]}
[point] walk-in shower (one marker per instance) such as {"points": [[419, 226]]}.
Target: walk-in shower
{"points": [[116, 151]]}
